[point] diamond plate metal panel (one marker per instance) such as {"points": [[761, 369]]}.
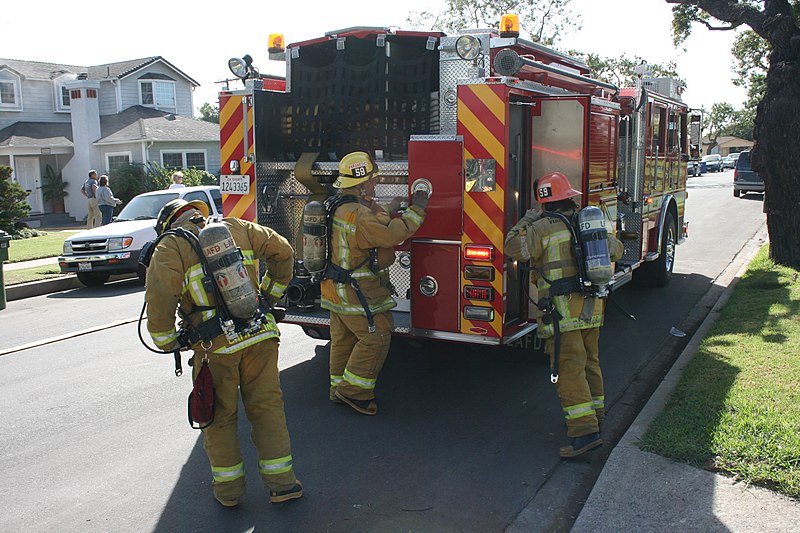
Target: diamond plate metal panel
{"points": [[452, 69], [281, 200]]}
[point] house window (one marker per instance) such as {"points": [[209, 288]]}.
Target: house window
{"points": [[158, 93], [196, 160], [184, 159], [117, 159], [64, 97], [172, 160], [9, 93]]}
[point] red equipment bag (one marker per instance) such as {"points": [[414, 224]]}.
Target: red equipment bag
{"points": [[201, 399]]}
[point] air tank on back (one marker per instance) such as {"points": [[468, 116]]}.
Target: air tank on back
{"points": [[315, 245], [594, 241], [225, 261]]}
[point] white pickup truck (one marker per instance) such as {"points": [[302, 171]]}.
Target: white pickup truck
{"points": [[98, 253]]}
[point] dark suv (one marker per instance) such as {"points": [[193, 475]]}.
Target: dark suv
{"points": [[744, 178]]}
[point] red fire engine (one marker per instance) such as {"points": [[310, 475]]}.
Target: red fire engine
{"points": [[476, 118]]}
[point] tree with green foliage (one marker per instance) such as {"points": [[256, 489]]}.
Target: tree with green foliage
{"points": [[777, 120], [542, 21], [13, 201], [210, 113], [717, 122], [134, 179], [750, 52], [619, 70]]}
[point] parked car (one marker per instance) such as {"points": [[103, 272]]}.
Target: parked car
{"points": [[96, 254], [713, 162], [693, 168], [728, 162], [746, 180]]}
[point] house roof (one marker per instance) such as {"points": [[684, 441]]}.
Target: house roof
{"points": [[135, 124], [729, 140], [107, 71], [138, 123], [36, 135]]}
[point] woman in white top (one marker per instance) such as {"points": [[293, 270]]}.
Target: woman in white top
{"points": [[106, 200], [177, 180]]}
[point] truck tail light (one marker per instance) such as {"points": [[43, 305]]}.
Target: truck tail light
{"points": [[479, 252], [474, 312], [479, 273], [473, 292]]}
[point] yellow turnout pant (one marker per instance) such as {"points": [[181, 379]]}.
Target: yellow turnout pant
{"points": [[254, 371], [580, 381], [357, 355]]}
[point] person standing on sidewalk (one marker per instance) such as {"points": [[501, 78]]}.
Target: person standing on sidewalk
{"points": [[356, 287], [177, 180], [106, 201], [245, 365], [89, 190], [546, 242]]}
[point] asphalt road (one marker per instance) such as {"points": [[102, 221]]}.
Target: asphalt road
{"points": [[95, 438]]}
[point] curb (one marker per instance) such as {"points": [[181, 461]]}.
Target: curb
{"points": [[627, 451], [729, 278], [47, 286]]}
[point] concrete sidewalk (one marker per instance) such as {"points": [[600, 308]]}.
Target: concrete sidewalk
{"points": [[643, 492], [19, 265], [45, 286]]}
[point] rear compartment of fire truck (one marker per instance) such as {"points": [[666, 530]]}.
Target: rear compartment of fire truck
{"points": [[357, 90]]}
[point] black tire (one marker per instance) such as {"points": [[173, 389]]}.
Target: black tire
{"points": [[659, 272], [93, 280], [321, 333], [736, 193]]}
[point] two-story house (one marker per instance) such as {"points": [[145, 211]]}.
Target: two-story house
{"points": [[77, 118]]}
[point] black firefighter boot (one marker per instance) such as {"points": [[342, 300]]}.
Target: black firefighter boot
{"points": [[581, 445]]}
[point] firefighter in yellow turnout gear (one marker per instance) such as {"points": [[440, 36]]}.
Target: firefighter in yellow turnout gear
{"points": [[249, 364], [546, 242], [361, 242]]}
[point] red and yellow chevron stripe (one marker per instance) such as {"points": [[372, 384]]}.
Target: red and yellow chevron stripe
{"points": [[482, 123], [231, 139]]}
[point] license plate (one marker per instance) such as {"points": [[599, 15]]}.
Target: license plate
{"points": [[234, 184], [84, 267]]}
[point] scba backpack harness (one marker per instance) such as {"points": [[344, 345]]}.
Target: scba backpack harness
{"points": [[317, 237], [589, 245], [201, 398]]}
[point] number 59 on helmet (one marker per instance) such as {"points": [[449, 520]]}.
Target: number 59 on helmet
{"points": [[554, 187], [354, 168]]}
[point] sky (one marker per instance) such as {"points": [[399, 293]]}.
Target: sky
{"points": [[199, 37]]}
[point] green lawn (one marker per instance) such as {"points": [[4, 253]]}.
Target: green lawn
{"points": [[48, 245], [24, 275], [736, 409]]}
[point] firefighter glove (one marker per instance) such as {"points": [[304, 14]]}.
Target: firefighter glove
{"points": [[278, 313], [420, 199]]}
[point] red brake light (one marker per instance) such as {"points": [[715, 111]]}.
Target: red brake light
{"points": [[485, 294], [479, 252]]}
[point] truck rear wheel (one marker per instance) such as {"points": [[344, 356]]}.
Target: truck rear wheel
{"points": [[659, 272], [92, 280], [321, 333]]}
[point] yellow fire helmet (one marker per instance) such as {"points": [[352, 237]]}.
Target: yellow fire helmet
{"points": [[355, 168], [174, 209]]}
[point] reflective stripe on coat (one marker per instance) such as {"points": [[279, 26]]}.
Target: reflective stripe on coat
{"points": [[355, 229], [546, 243], [175, 278]]}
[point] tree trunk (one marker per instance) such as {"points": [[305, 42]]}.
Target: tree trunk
{"points": [[776, 156]]}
